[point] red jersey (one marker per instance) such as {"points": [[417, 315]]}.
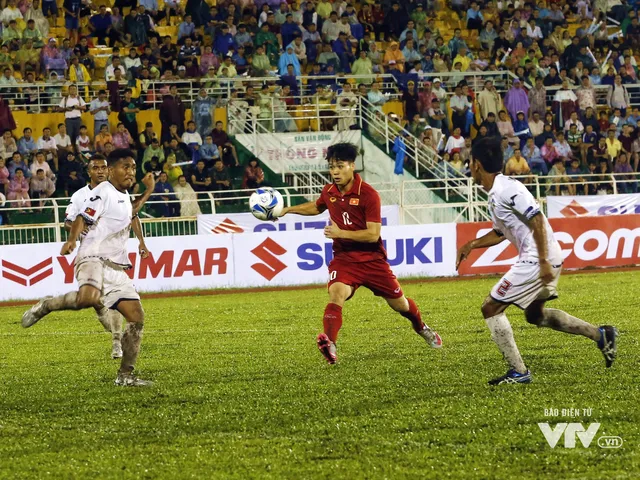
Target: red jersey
{"points": [[351, 211]]}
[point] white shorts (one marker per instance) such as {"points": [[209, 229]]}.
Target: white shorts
{"points": [[521, 285], [113, 283]]}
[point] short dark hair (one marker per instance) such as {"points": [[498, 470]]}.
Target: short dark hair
{"points": [[119, 154], [488, 152], [345, 151]]}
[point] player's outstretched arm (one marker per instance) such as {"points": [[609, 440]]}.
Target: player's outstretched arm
{"points": [[307, 209], [537, 226], [149, 184], [77, 227], [369, 235], [489, 240], [136, 225]]}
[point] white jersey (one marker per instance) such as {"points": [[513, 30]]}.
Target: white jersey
{"points": [[512, 206], [109, 212], [77, 202]]}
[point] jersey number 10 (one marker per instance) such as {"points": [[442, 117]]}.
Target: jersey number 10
{"points": [[345, 218]]}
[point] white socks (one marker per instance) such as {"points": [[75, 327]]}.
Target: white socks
{"points": [[502, 335]]}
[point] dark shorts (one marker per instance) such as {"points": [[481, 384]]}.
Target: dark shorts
{"points": [[375, 275], [71, 23], [49, 7]]}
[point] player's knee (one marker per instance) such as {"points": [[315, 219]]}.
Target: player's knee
{"points": [[88, 300], [534, 317], [489, 308]]}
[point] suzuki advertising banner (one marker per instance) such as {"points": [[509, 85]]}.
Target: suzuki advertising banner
{"points": [[593, 205], [298, 258], [246, 222], [609, 241], [221, 261]]}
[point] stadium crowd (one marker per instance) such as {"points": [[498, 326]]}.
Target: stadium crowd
{"points": [[566, 51]]}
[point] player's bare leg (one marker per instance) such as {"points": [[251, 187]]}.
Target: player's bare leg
{"points": [[332, 320], [86, 297], [502, 335], [409, 310], [561, 321], [134, 314]]}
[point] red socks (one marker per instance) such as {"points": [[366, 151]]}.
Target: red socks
{"points": [[332, 321], [413, 315]]}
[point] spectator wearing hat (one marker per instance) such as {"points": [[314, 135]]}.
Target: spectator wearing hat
{"points": [[394, 54], [516, 99]]}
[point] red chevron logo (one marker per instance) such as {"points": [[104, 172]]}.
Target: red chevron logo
{"points": [[16, 273]]}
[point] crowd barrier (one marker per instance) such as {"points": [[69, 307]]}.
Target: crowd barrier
{"points": [[300, 257]]}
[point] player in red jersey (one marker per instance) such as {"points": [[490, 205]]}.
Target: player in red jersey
{"points": [[359, 257]]}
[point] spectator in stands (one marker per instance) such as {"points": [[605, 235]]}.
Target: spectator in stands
{"points": [[100, 108], [153, 165], [460, 105], [618, 96], [173, 171], [202, 112], [18, 190], [123, 138], [437, 116], [129, 109], [154, 150], [4, 176], [28, 57], [560, 181], [253, 175], [35, 13], [42, 187], [489, 100], [64, 145], [27, 144], [575, 174], [172, 111], [517, 166], [146, 137], [84, 145], [538, 98], [192, 139], [188, 198], [102, 138], [209, 151], [516, 99], [534, 158], [109, 72], [18, 163], [200, 178], [40, 163], [455, 142], [7, 145], [165, 195], [72, 105], [47, 144], [225, 146]]}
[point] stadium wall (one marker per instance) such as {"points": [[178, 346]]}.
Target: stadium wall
{"points": [[285, 258]]}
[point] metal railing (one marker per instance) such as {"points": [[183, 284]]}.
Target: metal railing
{"points": [[41, 97]]}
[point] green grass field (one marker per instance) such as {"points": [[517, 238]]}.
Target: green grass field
{"points": [[242, 392]]}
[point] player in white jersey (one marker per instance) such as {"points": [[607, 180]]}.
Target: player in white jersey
{"points": [[533, 279], [102, 261], [97, 170]]}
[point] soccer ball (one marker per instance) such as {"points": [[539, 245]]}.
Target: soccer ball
{"points": [[266, 203]]}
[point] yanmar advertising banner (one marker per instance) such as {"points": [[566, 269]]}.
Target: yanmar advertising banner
{"points": [[222, 261], [246, 222], [593, 205], [608, 241]]}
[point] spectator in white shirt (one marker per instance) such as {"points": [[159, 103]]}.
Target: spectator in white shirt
{"points": [[109, 72], [41, 186], [191, 138], [73, 105], [63, 142], [47, 144]]}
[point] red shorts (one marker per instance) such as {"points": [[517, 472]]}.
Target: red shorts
{"points": [[375, 275]]}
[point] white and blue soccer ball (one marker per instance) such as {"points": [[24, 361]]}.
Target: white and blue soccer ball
{"points": [[266, 203]]}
